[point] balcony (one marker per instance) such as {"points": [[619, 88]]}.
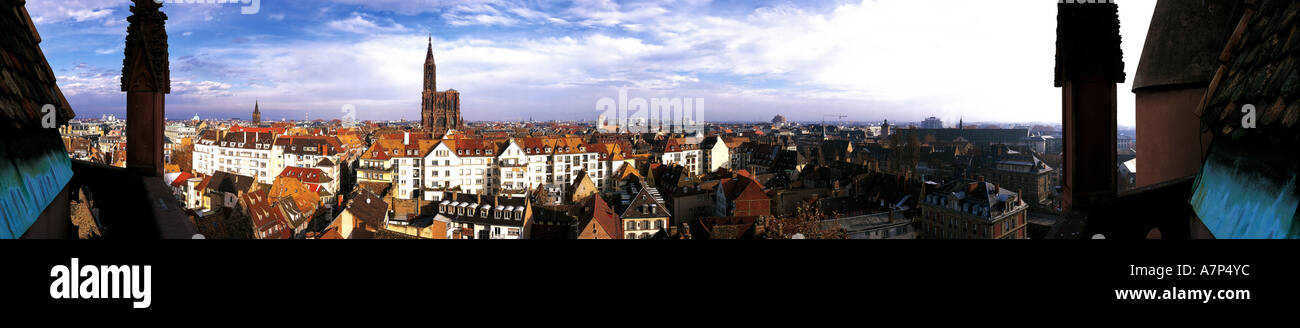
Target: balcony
{"points": [[130, 206], [375, 169]]}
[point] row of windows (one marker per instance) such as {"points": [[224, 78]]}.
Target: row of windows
{"points": [[482, 213], [644, 225], [643, 235]]}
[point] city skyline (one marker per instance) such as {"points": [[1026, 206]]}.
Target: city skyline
{"points": [[516, 61]]}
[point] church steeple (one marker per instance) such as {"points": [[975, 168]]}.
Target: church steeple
{"points": [[257, 113], [430, 69]]}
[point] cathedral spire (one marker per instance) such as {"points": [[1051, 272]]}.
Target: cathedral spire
{"points": [[430, 69], [428, 57]]}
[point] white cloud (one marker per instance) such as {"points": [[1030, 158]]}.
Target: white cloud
{"points": [[81, 81], [202, 89], [359, 24], [49, 11], [109, 51]]}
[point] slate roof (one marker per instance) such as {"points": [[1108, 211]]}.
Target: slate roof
{"points": [[1262, 69], [34, 163], [647, 196], [227, 182], [309, 145], [557, 146], [479, 202], [26, 81], [984, 194], [368, 208], [247, 140]]}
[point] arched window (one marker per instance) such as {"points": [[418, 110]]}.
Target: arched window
{"points": [[645, 235], [631, 236]]}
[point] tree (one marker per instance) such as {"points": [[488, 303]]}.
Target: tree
{"points": [[183, 156], [808, 221]]}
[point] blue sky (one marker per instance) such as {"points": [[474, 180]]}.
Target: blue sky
{"points": [[902, 60]]}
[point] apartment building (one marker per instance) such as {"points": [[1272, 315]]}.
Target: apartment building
{"points": [[260, 153], [678, 151], [504, 167], [304, 151], [972, 210], [242, 153]]}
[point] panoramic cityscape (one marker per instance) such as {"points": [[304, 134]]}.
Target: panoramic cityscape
{"points": [[658, 135], [1008, 154], [651, 173]]}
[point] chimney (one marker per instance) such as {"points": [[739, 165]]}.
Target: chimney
{"points": [[1089, 64], [406, 138], [146, 80]]}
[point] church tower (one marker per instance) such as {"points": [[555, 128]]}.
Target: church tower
{"points": [[440, 111], [430, 70], [257, 114]]}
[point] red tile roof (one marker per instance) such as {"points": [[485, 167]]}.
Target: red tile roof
{"points": [[275, 131], [180, 179], [265, 218], [308, 175]]}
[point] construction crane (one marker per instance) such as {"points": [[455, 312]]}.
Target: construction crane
{"points": [[836, 116]]}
